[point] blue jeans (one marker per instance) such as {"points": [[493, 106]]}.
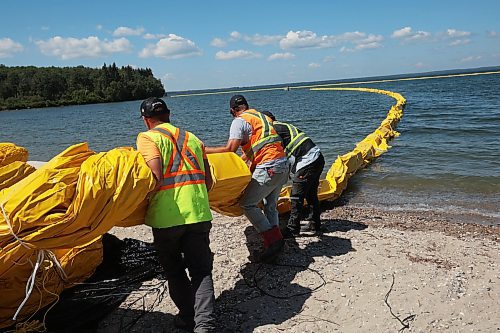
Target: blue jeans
{"points": [[265, 186]]}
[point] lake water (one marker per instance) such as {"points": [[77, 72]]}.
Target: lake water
{"points": [[447, 158]]}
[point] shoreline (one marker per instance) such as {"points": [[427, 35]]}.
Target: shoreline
{"points": [[445, 274]]}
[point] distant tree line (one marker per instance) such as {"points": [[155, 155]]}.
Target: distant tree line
{"points": [[33, 87]]}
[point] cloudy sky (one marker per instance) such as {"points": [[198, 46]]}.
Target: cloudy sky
{"points": [[220, 44]]}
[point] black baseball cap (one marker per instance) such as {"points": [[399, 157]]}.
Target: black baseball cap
{"points": [[153, 106], [269, 114], [237, 100]]}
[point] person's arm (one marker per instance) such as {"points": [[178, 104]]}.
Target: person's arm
{"points": [[151, 154], [209, 181], [235, 138], [156, 167], [231, 146]]}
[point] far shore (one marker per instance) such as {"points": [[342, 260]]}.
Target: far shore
{"points": [[297, 85]]}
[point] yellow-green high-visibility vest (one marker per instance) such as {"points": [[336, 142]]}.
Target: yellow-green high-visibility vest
{"points": [[296, 138], [182, 197]]}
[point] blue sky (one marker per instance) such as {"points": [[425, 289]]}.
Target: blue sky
{"points": [[220, 44]]}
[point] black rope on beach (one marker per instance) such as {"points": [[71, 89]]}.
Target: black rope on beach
{"points": [[254, 281], [159, 290], [405, 321]]}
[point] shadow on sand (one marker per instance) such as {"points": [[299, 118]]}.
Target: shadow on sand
{"points": [[267, 294]]}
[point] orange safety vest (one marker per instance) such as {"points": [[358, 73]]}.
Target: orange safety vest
{"points": [[264, 144]]}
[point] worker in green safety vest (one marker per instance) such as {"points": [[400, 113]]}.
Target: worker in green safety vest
{"points": [[307, 166], [179, 214]]}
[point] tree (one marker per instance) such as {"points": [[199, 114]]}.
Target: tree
{"points": [[30, 86]]}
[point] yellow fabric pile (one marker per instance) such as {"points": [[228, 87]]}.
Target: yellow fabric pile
{"points": [[51, 223], [13, 166], [9, 153], [365, 151]]}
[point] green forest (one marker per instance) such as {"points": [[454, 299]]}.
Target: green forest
{"points": [[35, 87]]}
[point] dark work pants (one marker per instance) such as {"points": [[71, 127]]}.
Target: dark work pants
{"points": [[305, 184], [188, 246]]}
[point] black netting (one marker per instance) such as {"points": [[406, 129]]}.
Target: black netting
{"points": [[126, 264]]}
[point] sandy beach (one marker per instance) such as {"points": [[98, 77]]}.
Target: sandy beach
{"points": [[371, 271]]}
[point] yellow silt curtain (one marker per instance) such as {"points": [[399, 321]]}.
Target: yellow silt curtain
{"points": [[10, 152], [51, 223], [372, 146], [13, 173], [13, 166]]}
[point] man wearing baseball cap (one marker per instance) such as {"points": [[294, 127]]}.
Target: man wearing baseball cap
{"points": [[307, 166], [179, 214], [261, 144]]}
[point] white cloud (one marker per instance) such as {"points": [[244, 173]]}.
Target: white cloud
{"points": [[407, 34], [366, 46], [256, 39], [360, 41], [168, 77], [8, 47], [453, 33], [171, 47], [70, 48], [305, 39], [45, 28], [454, 37], [235, 35], [126, 31], [457, 42], [361, 45], [328, 59], [309, 39], [261, 40], [419, 65], [492, 33], [218, 42], [314, 65], [99, 27], [154, 36], [221, 55], [281, 56], [402, 33], [471, 58]]}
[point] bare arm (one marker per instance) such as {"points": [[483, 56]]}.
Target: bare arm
{"points": [[156, 167], [231, 146], [209, 181]]}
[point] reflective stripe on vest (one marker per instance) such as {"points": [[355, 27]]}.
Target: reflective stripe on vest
{"points": [[268, 134], [174, 176], [296, 138]]}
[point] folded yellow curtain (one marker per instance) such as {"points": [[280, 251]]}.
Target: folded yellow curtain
{"points": [[52, 221]]}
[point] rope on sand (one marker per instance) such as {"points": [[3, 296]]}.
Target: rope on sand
{"points": [[406, 321]]}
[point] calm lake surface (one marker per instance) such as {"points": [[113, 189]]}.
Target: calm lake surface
{"points": [[447, 158]]}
